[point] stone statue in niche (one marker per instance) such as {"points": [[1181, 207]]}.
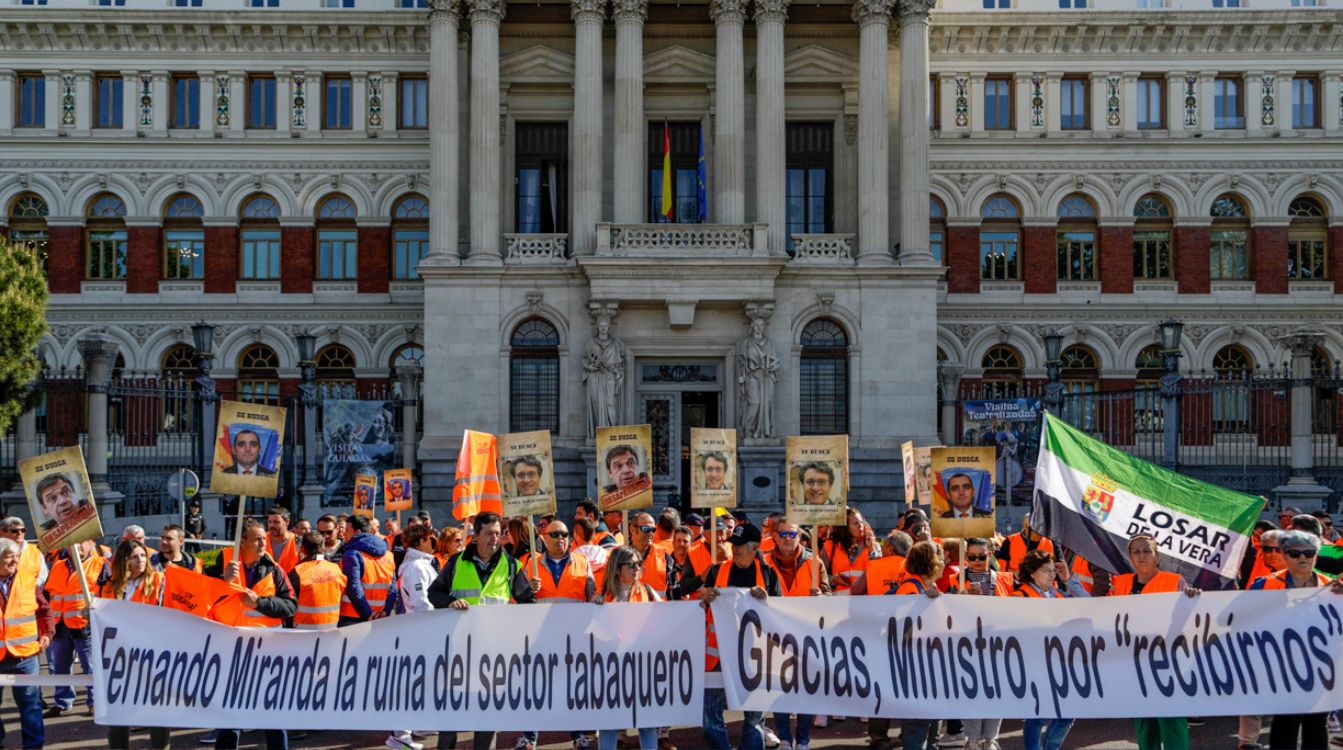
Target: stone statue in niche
{"points": [[757, 372], [604, 372]]}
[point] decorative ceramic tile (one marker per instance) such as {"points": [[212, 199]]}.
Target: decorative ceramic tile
{"points": [[146, 101], [963, 104], [375, 101], [221, 101], [67, 100], [1268, 114], [1112, 100], [1191, 101], [1037, 102], [299, 118]]}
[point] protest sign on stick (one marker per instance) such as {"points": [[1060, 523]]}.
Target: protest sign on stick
{"points": [[963, 497], [624, 455], [60, 498], [713, 468], [398, 491], [527, 473]]}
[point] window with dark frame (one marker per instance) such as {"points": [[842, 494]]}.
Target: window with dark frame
{"points": [[259, 239], [534, 377], [260, 102], [28, 224], [1305, 102], [1229, 240], [1153, 247], [183, 238], [541, 157], [1151, 103], [338, 103], [32, 109], [107, 101], [1073, 109], [105, 229], [414, 103], [1307, 240], [1075, 238], [937, 229], [1000, 239], [823, 379], [1228, 102], [337, 239], [685, 142], [998, 103], [809, 177], [185, 102], [410, 236], [259, 375]]}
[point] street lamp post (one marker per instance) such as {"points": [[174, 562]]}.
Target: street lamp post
{"points": [[310, 399], [1170, 392], [207, 398], [1054, 390]]}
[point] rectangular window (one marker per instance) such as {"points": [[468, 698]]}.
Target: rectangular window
{"points": [[998, 256], [997, 4], [32, 2], [936, 240], [1151, 103], [1148, 4], [263, 3], [1072, 4], [998, 104], [1229, 255], [337, 3], [1305, 102], [1228, 103], [409, 246], [339, 103], [1073, 104], [809, 170], [32, 101], [686, 207], [1226, 3], [260, 254], [107, 93], [1306, 257], [259, 392], [187, 3], [541, 152], [414, 103], [337, 254], [412, 3], [1076, 255], [184, 254], [260, 103], [111, 3], [1305, 3], [186, 102], [934, 104], [107, 254], [37, 238], [1152, 255]]}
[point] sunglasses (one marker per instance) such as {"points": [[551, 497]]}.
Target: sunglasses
{"points": [[788, 534], [647, 529], [557, 534], [1297, 554], [976, 558], [14, 531], [1270, 550], [630, 565]]}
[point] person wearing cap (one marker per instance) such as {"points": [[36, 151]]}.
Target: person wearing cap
{"points": [[695, 522], [1286, 515], [195, 521], [701, 555]]}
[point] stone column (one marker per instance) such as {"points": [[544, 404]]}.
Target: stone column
{"points": [[1129, 109], [358, 102], [1283, 101], [1175, 103], [408, 378], [914, 133], [949, 378], [51, 119], [209, 99], [83, 100], [7, 101], [238, 91], [443, 133], [729, 143], [770, 150], [14, 500], [159, 87], [874, 21], [1254, 98], [486, 15], [1207, 119], [99, 353], [589, 18], [630, 176], [1054, 102], [1301, 490]]}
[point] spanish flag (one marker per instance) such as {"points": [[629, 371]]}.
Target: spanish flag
{"points": [[666, 172]]}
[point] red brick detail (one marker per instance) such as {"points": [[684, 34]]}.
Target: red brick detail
{"points": [[1039, 263], [297, 260], [1114, 418], [1268, 251], [375, 259], [1191, 260], [963, 260], [1335, 270], [144, 260], [65, 259], [221, 260], [1116, 260]]}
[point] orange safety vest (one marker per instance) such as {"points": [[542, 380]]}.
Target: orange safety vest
{"points": [[1016, 549], [477, 489], [701, 558], [379, 572], [1002, 583], [1082, 571], [320, 586], [573, 582], [768, 543], [65, 593], [641, 595], [883, 573], [710, 636], [1260, 568], [909, 585], [231, 611], [841, 565], [1162, 583], [30, 560], [288, 556], [150, 590], [1028, 591], [18, 621], [802, 581], [1278, 581]]}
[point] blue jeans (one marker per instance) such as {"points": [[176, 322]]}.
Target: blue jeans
{"points": [[61, 659], [715, 730], [276, 739], [648, 739], [918, 734], [783, 728], [1055, 732], [29, 701]]}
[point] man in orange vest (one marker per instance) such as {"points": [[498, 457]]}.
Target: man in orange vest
{"points": [[280, 542], [656, 560], [30, 556], [72, 634], [370, 573], [171, 552], [318, 585], [28, 625], [885, 572], [799, 575], [1016, 546]]}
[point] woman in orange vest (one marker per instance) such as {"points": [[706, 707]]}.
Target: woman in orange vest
{"points": [[980, 579], [799, 575], [848, 550], [1039, 572], [624, 583], [923, 566], [449, 544], [133, 579]]}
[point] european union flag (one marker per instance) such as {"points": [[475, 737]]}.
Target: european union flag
{"points": [[701, 195]]}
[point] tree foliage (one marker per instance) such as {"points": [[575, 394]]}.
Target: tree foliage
{"points": [[23, 306]]}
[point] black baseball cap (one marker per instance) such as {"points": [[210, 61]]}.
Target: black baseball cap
{"points": [[745, 534], [694, 519]]}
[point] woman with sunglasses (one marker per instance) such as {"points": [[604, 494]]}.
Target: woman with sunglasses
{"points": [[134, 580], [848, 549], [449, 543], [1040, 576], [624, 583]]}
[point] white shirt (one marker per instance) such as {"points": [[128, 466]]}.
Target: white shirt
{"points": [[417, 572]]}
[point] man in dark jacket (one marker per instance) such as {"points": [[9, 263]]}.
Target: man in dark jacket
{"points": [[364, 549]]}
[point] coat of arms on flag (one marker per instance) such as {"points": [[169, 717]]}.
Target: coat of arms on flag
{"points": [[1099, 498]]}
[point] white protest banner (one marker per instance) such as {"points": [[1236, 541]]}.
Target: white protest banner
{"points": [[574, 667], [1217, 654]]}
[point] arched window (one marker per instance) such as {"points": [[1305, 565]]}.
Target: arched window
{"points": [[337, 239], [1079, 371], [534, 377], [824, 379], [178, 370], [183, 238], [1231, 402], [1076, 239], [259, 375], [1229, 255], [259, 238], [335, 370], [1153, 247], [28, 224], [937, 228], [999, 239], [410, 236], [1307, 240], [1002, 366], [1323, 371], [1147, 410], [105, 228]]}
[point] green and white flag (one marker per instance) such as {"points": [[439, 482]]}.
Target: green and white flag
{"points": [[1092, 498]]}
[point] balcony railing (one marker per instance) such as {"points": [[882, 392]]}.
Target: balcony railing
{"points": [[822, 249], [536, 249], [683, 240]]}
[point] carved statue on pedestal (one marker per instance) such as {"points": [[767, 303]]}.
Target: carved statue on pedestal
{"points": [[603, 371], [757, 372]]}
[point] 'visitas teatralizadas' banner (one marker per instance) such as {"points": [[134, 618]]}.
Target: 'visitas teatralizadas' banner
{"points": [[909, 657], [534, 666]]}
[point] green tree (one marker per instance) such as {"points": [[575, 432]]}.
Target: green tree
{"points": [[23, 307]]}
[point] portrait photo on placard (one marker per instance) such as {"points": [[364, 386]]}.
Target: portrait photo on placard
{"points": [[526, 473], [60, 498], [963, 492], [624, 455], [248, 445], [365, 493], [713, 468], [818, 479], [397, 490]]}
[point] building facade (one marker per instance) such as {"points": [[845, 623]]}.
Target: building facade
{"points": [[868, 207]]}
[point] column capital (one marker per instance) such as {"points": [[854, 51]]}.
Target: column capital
{"points": [[630, 10], [914, 11], [1303, 342], [588, 10], [444, 10], [771, 10], [873, 11], [99, 352], [727, 11], [486, 11]]}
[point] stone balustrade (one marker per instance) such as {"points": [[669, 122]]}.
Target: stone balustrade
{"points": [[823, 249], [682, 240], [532, 249]]}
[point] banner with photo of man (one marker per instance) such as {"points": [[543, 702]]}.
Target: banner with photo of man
{"points": [[818, 479], [963, 496], [713, 468], [398, 490], [623, 478], [359, 437], [527, 473], [1012, 427], [248, 446], [60, 498], [365, 494]]}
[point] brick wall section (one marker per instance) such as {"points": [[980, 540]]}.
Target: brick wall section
{"points": [[297, 259], [375, 259], [1191, 260], [221, 260], [1039, 260], [1115, 418], [65, 259], [1116, 260], [963, 260], [144, 262], [1268, 253], [1335, 270]]}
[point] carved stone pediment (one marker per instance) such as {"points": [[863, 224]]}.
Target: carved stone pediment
{"points": [[816, 64], [538, 64], [678, 64]]}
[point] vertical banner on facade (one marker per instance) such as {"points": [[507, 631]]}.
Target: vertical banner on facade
{"points": [[365, 493], [527, 473], [918, 473], [818, 479], [623, 454], [963, 497], [713, 468], [398, 490], [1012, 427], [60, 498], [248, 445], [359, 436]]}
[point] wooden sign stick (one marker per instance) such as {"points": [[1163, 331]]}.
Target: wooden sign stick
{"points": [[237, 530], [713, 537], [965, 567], [536, 553], [816, 556], [83, 577]]}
